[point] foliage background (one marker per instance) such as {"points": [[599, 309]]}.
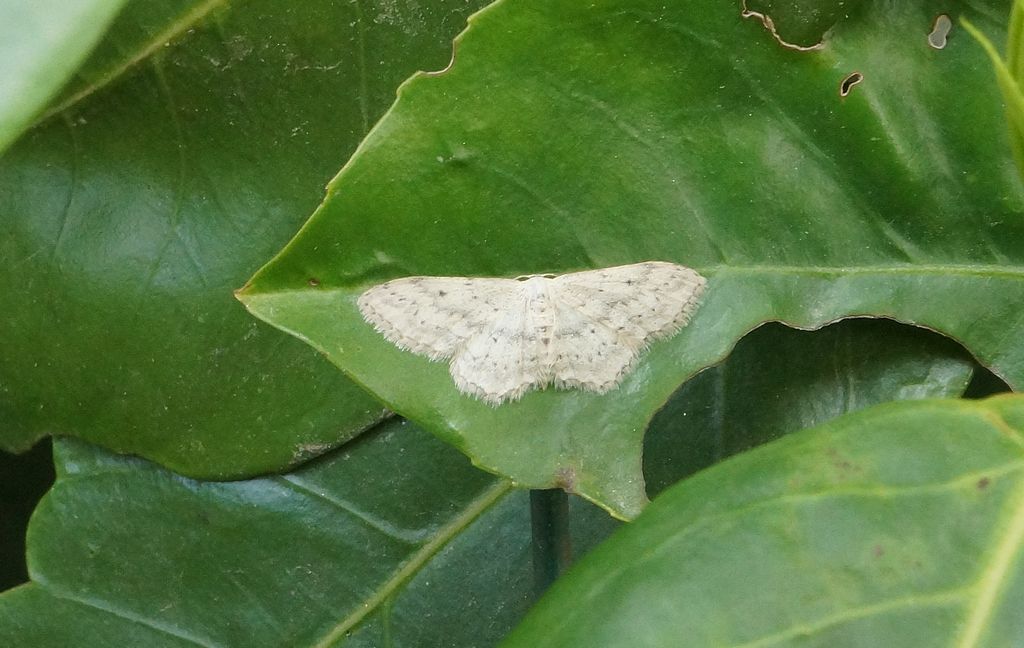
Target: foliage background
{"points": [[196, 139]]}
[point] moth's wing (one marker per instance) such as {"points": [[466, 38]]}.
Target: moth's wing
{"points": [[588, 354], [640, 302], [434, 316], [504, 361]]}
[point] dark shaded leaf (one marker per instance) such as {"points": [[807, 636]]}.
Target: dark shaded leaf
{"points": [[778, 380], [127, 221], [392, 540]]}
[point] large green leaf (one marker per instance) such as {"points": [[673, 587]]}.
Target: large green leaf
{"points": [[126, 222], [364, 544], [569, 135], [778, 380], [898, 526], [41, 44]]}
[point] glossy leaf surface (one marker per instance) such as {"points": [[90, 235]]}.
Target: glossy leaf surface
{"points": [[127, 221], [571, 135], [900, 526], [359, 547]]}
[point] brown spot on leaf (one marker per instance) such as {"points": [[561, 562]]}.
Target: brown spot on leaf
{"points": [[983, 483], [565, 478], [841, 463]]}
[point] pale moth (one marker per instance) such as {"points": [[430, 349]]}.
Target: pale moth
{"points": [[504, 337]]}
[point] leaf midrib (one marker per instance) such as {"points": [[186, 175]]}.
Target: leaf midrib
{"points": [[475, 508], [995, 574], [983, 270], [986, 271]]}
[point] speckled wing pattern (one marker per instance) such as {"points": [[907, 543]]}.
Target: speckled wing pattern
{"points": [[504, 337]]}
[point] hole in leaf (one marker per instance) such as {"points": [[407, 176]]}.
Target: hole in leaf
{"points": [[940, 30], [778, 380], [984, 383], [847, 84]]}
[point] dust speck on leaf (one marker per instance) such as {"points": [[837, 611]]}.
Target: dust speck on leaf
{"points": [[314, 282], [306, 451]]}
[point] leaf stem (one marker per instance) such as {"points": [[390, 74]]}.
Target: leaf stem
{"points": [[552, 542]]}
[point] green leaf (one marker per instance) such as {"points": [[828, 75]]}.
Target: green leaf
{"points": [[127, 221], [800, 23], [570, 135], [778, 381], [282, 560], [358, 547], [363, 545], [1009, 75], [41, 44], [899, 526]]}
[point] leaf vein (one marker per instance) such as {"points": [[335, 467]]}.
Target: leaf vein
{"points": [[408, 536], [475, 508], [994, 576], [806, 629]]}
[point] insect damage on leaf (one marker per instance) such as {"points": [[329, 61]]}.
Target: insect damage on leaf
{"points": [[848, 82], [769, 24], [940, 31]]}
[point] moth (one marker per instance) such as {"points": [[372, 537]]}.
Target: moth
{"points": [[503, 337]]}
